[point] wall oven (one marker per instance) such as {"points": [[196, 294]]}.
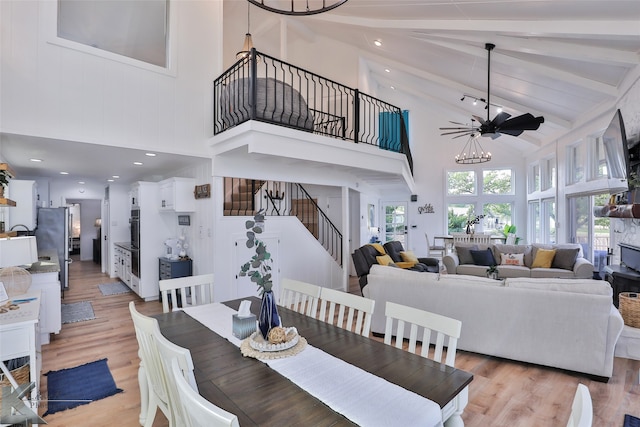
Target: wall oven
{"points": [[135, 242]]}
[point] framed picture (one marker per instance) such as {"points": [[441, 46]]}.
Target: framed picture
{"points": [[371, 215], [202, 191], [184, 220]]}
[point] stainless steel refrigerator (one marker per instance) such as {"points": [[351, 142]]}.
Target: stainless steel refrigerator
{"points": [[52, 233]]}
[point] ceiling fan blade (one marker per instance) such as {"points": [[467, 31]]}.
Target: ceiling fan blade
{"points": [[457, 131], [464, 134], [500, 118], [479, 119], [524, 122], [467, 127]]}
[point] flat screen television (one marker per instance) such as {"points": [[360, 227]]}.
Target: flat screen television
{"points": [[616, 151]]}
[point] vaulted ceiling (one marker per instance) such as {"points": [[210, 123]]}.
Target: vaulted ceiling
{"points": [[566, 60]]}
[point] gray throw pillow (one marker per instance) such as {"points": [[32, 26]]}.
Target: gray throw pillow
{"points": [[565, 258], [464, 254]]}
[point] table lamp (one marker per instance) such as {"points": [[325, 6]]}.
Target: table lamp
{"points": [[16, 252]]}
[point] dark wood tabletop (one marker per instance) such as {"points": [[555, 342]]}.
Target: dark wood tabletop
{"points": [[260, 396]]}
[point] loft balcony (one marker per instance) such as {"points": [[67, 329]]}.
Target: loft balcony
{"points": [[273, 118]]}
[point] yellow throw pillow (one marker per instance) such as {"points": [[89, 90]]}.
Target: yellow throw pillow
{"points": [[544, 258], [379, 248], [384, 260], [409, 256]]}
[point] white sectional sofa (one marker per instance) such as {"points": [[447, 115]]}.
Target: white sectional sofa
{"points": [[570, 324]]}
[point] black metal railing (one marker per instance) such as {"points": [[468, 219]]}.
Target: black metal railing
{"points": [[260, 87], [245, 197]]}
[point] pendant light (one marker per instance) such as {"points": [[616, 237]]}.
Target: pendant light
{"points": [[248, 42]]}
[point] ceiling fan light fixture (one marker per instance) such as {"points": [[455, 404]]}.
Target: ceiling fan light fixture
{"points": [[472, 152], [297, 7]]}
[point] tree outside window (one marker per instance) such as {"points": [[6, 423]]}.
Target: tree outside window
{"points": [[497, 181], [462, 183], [458, 215]]}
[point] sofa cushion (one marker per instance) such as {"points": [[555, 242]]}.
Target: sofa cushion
{"points": [[398, 273], [543, 258], [464, 254], [384, 260], [565, 258], [483, 257], [536, 246], [505, 271], [499, 249], [512, 259], [409, 256], [448, 279], [557, 273], [580, 286]]}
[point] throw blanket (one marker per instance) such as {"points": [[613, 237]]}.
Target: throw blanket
{"points": [[343, 387]]}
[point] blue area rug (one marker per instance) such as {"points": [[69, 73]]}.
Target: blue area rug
{"points": [[77, 386], [631, 421]]}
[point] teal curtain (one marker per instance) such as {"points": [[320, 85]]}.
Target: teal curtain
{"points": [[390, 130]]}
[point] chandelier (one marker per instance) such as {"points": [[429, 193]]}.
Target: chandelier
{"points": [[472, 152], [297, 7], [248, 42]]}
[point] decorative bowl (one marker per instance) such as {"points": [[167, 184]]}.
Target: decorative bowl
{"points": [[257, 342]]}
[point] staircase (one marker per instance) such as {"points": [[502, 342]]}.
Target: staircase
{"points": [[246, 197]]}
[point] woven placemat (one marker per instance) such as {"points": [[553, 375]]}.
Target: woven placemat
{"points": [[248, 351]]}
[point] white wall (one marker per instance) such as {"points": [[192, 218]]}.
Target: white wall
{"points": [[63, 93]]}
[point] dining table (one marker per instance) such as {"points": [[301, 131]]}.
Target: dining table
{"points": [[260, 393]]}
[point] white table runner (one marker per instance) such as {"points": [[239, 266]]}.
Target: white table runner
{"points": [[362, 397]]}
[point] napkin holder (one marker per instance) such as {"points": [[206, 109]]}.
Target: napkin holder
{"points": [[244, 323]]}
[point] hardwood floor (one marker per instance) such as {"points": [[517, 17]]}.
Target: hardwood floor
{"points": [[503, 393]]}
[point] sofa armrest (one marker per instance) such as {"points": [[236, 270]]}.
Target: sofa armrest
{"points": [[451, 263], [432, 265], [583, 269]]}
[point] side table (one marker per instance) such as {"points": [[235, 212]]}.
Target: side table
{"points": [[622, 279], [19, 337]]}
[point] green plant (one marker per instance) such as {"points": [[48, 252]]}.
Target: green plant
{"points": [[492, 269], [634, 180], [4, 177], [258, 268], [510, 229]]}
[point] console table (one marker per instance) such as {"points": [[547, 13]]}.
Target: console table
{"points": [[19, 337], [622, 279]]}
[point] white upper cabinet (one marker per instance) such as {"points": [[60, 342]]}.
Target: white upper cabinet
{"points": [[176, 195]]}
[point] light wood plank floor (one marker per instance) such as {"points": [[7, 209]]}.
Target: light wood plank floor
{"points": [[503, 393]]}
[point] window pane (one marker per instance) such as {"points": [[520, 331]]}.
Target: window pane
{"points": [[496, 216], [136, 29], [549, 214], [534, 215], [395, 223], [497, 181], [577, 163], [463, 183], [535, 179], [600, 160], [549, 179], [459, 214]]}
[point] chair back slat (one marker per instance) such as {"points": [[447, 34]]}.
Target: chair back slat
{"points": [[299, 296], [186, 291], [447, 331], [355, 307]]}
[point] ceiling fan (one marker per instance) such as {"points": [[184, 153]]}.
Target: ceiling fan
{"points": [[501, 123]]}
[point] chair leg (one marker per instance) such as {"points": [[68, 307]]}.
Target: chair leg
{"points": [[144, 394]]}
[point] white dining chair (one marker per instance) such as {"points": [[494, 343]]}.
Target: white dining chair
{"points": [[168, 353], [433, 249], [299, 296], [186, 291], [153, 388], [358, 310], [199, 412], [484, 238], [446, 334], [581, 409], [461, 238]]}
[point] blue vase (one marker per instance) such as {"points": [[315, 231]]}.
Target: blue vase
{"points": [[269, 317]]}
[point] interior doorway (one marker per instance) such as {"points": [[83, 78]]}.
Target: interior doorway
{"points": [[395, 222], [83, 231]]}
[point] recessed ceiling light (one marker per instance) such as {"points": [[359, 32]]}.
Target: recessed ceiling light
{"points": [[137, 163], [110, 180], [35, 160], [64, 173], [387, 70], [393, 88], [81, 182], [115, 176], [150, 154], [377, 43]]}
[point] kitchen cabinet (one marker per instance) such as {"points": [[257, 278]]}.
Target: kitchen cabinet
{"points": [[5, 169], [25, 195], [122, 259], [44, 278], [176, 194]]}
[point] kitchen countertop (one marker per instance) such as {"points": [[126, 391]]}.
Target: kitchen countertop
{"points": [[124, 245], [44, 265]]}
